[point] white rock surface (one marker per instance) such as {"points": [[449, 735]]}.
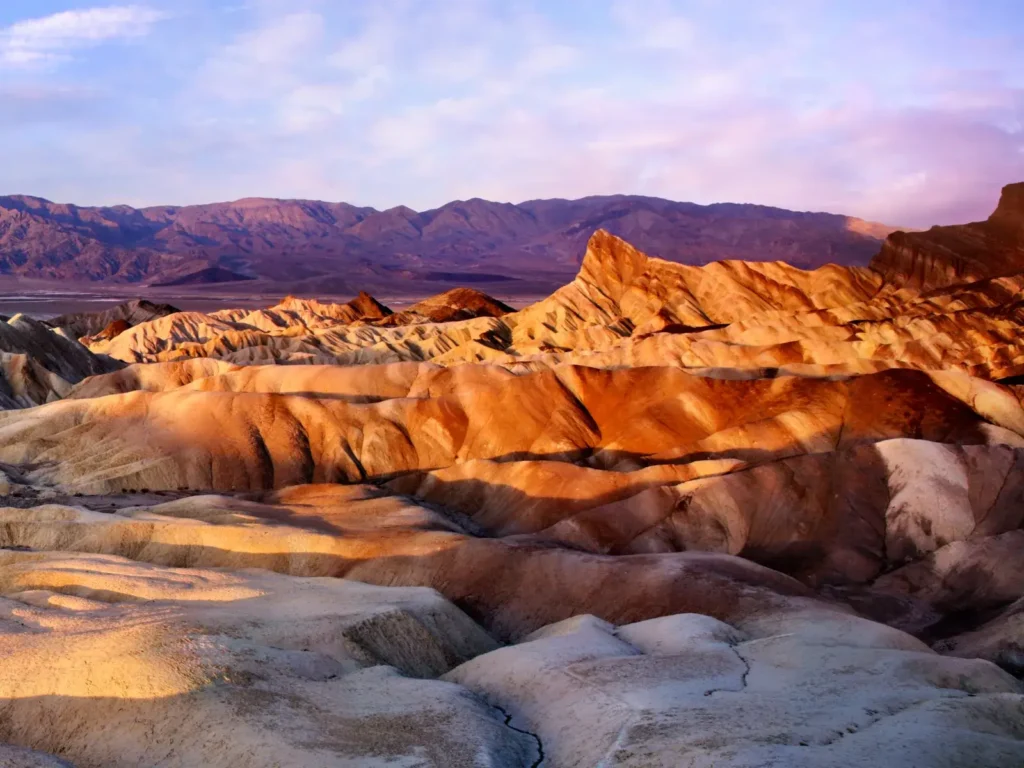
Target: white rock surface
{"points": [[16, 757], [112, 663], [805, 689]]}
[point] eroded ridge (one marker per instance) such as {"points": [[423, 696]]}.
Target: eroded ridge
{"points": [[739, 514]]}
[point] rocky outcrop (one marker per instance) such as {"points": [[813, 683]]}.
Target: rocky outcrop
{"points": [[363, 307], [154, 377], [511, 587], [51, 349], [731, 318], [39, 364], [456, 304], [684, 639], [621, 291], [944, 256], [131, 313], [1000, 639], [840, 517], [115, 328], [227, 440]]}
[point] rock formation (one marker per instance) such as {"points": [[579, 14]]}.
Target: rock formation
{"points": [[456, 304], [945, 256], [209, 668], [125, 315], [740, 514], [624, 308], [797, 688], [39, 364]]}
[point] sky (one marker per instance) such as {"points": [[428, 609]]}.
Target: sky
{"points": [[908, 112]]}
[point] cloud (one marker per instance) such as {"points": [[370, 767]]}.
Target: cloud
{"points": [[802, 105], [264, 61], [904, 166], [26, 106], [655, 24], [52, 38]]}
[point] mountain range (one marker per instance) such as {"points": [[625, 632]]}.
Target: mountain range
{"points": [[336, 247]]}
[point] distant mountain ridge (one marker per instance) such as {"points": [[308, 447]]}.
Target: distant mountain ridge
{"points": [[473, 241]]}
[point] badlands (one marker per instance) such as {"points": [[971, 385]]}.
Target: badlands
{"points": [[738, 514]]}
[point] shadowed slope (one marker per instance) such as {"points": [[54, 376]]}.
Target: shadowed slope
{"points": [[130, 312]]}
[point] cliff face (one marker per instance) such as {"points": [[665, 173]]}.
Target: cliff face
{"points": [[945, 256], [1009, 214]]}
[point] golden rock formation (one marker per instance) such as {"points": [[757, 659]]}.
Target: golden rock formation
{"points": [[739, 514]]}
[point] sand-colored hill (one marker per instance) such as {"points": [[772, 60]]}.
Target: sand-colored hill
{"points": [[198, 667], [130, 313]]}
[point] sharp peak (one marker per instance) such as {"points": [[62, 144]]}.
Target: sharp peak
{"points": [[602, 236]]}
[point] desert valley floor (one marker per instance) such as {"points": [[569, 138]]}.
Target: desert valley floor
{"points": [[734, 515]]}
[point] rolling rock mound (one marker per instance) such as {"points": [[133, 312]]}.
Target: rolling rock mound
{"points": [[125, 315], [307, 331], [284, 669], [734, 515], [271, 670], [456, 304]]}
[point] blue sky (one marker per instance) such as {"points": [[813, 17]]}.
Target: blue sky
{"points": [[908, 112]]}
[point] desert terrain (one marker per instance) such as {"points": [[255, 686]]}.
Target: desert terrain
{"points": [[729, 513]]}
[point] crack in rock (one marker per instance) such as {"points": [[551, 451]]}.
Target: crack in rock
{"points": [[743, 677], [876, 717], [508, 724]]}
